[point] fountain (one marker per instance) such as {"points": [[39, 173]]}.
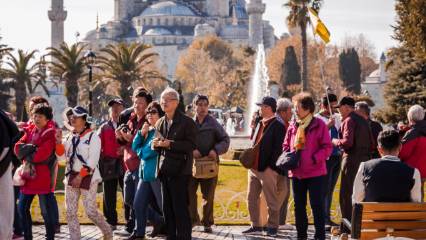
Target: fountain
{"points": [[258, 88]]}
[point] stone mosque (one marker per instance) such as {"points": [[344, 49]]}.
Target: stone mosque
{"points": [[171, 25]]}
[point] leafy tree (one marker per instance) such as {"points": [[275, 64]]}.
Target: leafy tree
{"points": [[68, 65], [299, 17], [291, 68], [127, 64], [222, 75], [4, 85], [350, 70], [406, 65], [22, 74]]}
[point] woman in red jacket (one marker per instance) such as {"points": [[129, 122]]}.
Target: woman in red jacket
{"points": [[36, 149], [414, 142]]}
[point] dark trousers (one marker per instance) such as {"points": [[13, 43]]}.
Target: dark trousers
{"points": [[316, 188], [51, 201], [349, 170], [17, 225], [147, 205], [131, 180], [333, 171], [208, 187], [25, 201], [110, 199], [175, 207]]}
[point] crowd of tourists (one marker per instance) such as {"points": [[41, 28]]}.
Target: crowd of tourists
{"points": [[159, 157]]}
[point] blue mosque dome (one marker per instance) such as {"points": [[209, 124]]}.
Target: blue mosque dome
{"points": [[167, 8], [157, 32]]}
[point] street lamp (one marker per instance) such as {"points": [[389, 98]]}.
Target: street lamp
{"points": [[90, 59]]}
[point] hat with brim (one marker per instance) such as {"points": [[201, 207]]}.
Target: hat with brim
{"points": [[79, 111], [115, 101], [268, 101]]}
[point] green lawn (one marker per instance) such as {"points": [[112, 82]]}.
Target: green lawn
{"points": [[230, 198]]}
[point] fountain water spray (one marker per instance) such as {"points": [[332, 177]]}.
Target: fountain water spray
{"points": [[259, 85]]}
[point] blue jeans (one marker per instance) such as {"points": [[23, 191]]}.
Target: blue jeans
{"points": [[17, 226], [147, 205], [131, 180], [316, 188], [51, 201], [25, 201]]}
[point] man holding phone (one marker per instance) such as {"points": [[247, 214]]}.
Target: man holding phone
{"points": [[175, 141]]}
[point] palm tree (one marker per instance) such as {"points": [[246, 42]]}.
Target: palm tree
{"points": [[126, 64], [67, 64], [22, 75], [299, 17], [4, 85]]}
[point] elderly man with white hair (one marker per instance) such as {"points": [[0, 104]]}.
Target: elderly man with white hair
{"points": [[414, 142], [175, 141], [284, 115]]}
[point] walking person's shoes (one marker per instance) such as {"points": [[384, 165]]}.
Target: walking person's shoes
{"points": [[208, 229], [253, 230], [286, 227], [135, 237], [122, 233], [158, 229], [58, 228], [18, 236], [271, 232]]}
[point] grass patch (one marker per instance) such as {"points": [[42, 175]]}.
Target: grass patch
{"points": [[230, 199]]}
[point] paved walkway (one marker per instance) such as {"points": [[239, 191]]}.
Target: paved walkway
{"points": [[219, 232]]}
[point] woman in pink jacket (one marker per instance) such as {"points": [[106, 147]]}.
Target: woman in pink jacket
{"points": [[308, 135]]}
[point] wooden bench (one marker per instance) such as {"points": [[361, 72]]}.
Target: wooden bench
{"points": [[372, 220]]}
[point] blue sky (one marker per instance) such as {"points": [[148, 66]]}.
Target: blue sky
{"points": [[24, 23]]}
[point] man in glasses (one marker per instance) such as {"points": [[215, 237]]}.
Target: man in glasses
{"points": [[212, 141], [332, 119], [175, 141]]}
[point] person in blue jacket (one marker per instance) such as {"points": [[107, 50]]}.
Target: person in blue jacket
{"points": [[147, 202]]}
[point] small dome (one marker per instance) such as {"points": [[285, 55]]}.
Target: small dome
{"points": [[204, 30], [375, 73], [167, 8], [234, 32], [157, 32]]}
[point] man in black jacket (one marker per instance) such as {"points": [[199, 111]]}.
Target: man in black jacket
{"points": [[263, 176], [8, 135], [175, 141]]}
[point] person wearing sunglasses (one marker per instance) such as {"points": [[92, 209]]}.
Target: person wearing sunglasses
{"points": [[148, 194]]}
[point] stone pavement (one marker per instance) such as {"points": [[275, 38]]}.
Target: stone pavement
{"points": [[91, 232]]}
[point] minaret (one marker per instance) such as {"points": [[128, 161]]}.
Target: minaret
{"points": [[255, 9], [57, 16]]}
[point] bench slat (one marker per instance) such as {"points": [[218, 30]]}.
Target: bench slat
{"points": [[408, 234], [394, 216], [393, 207], [400, 225]]}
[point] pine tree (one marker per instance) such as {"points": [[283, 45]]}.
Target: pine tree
{"points": [[291, 68], [350, 70], [406, 84]]}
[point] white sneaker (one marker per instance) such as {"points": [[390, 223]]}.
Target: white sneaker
{"points": [[286, 227], [122, 232]]}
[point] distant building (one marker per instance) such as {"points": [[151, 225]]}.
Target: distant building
{"points": [[374, 84], [171, 25]]}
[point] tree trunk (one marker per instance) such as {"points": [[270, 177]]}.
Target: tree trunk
{"points": [[71, 91], [304, 58], [20, 98], [126, 91]]}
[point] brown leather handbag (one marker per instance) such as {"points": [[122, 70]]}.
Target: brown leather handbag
{"points": [[85, 182]]}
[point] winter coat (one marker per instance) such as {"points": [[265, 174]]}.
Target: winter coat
{"points": [[317, 149], [413, 148], [148, 157]]}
